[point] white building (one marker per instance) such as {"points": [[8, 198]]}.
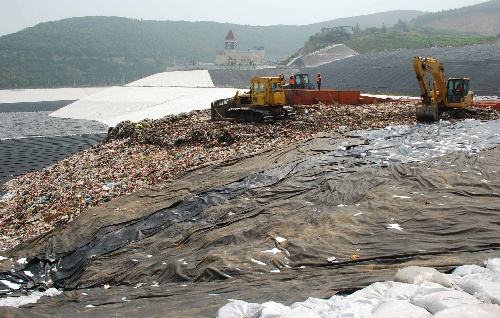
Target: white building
{"points": [[231, 56]]}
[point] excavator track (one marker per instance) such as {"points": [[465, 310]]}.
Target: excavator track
{"points": [[290, 112]]}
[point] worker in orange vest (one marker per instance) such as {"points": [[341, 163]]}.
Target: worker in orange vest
{"points": [[318, 81], [292, 80]]}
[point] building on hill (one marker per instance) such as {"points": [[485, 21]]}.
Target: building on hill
{"points": [[231, 56]]}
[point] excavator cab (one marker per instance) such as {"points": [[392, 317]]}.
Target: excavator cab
{"points": [[458, 90]]}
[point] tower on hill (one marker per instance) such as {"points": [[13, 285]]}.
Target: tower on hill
{"points": [[230, 56], [230, 43]]}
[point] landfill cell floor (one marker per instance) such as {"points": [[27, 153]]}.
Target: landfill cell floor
{"points": [[33, 106], [332, 214]]}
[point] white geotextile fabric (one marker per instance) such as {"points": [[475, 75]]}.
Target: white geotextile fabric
{"points": [[46, 95], [470, 291], [117, 104], [198, 78]]}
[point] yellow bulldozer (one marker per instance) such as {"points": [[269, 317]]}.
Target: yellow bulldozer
{"points": [[263, 103], [438, 94]]}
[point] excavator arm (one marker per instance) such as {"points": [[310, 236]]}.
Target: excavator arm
{"points": [[430, 66], [430, 71]]}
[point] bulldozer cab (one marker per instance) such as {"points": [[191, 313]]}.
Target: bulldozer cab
{"points": [[458, 90], [267, 91]]}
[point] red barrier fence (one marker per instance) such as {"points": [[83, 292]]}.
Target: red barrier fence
{"points": [[494, 104], [327, 97]]}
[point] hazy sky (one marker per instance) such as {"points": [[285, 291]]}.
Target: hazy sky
{"points": [[18, 14]]}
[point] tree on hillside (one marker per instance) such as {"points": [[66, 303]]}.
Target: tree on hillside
{"points": [[401, 26], [383, 28], [357, 29]]}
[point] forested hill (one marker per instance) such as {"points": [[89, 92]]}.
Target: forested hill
{"points": [[109, 50], [483, 18]]}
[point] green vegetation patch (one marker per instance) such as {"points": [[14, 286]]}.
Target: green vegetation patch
{"points": [[373, 40]]}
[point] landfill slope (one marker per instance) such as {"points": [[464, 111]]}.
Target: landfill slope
{"points": [[241, 78], [392, 73], [334, 213], [323, 56]]}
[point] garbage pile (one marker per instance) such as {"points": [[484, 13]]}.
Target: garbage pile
{"points": [[138, 155]]}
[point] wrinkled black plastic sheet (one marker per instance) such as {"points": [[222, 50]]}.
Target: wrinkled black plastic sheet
{"points": [[328, 197]]}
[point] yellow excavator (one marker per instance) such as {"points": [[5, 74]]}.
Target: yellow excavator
{"points": [[263, 103], [443, 95]]}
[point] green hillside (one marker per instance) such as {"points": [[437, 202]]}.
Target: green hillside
{"points": [[400, 36], [109, 50], [373, 40], [483, 18]]}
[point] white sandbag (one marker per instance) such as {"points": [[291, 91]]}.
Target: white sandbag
{"points": [[469, 270], [401, 291], [440, 300], [301, 312], [239, 309], [398, 309], [273, 310], [375, 290], [470, 311], [362, 302], [493, 265], [486, 290], [418, 275], [319, 306]]}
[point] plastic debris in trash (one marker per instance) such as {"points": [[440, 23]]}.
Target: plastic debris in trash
{"points": [[273, 251], [394, 226], [332, 260], [258, 262]]}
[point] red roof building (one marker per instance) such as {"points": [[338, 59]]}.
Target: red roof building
{"points": [[230, 42]]}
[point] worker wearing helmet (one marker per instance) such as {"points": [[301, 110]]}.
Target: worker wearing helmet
{"points": [[318, 81], [292, 81], [459, 90]]}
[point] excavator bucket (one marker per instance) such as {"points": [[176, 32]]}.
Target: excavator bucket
{"points": [[427, 113]]}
